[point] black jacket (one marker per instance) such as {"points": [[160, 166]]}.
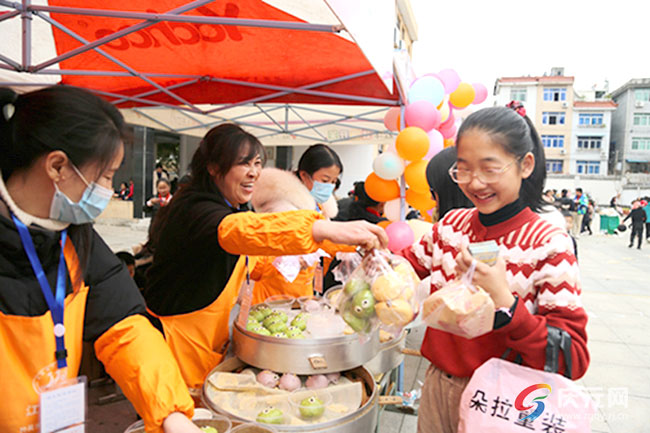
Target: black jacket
{"points": [[112, 294], [638, 217], [190, 269]]}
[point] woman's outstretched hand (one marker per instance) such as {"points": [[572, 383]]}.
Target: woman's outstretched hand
{"points": [[360, 233]]}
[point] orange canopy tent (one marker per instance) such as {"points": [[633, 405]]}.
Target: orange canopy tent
{"points": [[179, 54]]}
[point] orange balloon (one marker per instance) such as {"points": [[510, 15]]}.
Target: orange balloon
{"points": [[449, 142], [416, 177], [420, 201], [412, 143], [383, 224], [381, 190], [463, 95]]}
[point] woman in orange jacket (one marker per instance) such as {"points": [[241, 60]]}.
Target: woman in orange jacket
{"points": [[59, 282], [209, 242], [281, 190]]}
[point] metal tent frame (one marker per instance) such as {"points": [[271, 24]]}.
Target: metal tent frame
{"points": [[277, 115]]}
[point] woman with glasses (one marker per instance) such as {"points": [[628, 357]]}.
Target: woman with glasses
{"points": [[534, 284]]}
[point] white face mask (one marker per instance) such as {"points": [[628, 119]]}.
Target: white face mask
{"points": [[93, 201]]}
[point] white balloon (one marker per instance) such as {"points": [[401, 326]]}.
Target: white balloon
{"points": [[391, 209], [388, 166]]}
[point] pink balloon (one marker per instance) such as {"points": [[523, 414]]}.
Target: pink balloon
{"points": [[400, 236], [449, 131], [436, 143], [450, 80], [422, 114], [481, 93], [390, 119], [450, 121]]}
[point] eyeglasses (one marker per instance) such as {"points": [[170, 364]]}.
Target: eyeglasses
{"points": [[490, 175]]}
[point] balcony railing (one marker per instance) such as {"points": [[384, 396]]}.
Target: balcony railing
{"points": [[638, 178]]}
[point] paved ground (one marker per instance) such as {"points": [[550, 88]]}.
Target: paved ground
{"points": [[616, 294]]}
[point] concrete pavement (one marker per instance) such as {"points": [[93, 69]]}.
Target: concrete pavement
{"points": [[616, 295]]}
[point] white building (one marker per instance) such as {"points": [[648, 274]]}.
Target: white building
{"points": [[589, 145]]}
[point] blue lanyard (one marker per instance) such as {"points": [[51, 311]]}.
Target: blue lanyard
{"points": [[55, 303]]}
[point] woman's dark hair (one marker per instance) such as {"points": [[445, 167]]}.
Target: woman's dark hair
{"points": [[518, 136], [222, 147], [450, 195], [318, 156], [84, 126]]}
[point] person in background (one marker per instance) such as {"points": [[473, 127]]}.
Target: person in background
{"points": [[444, 190], [588, 218], [639, 219], [162, 198], [568, 223], [211, 241], [319, 168], [581, 203], [549, 196], [129, 195], [363, 207], [61, 147], [122, 192], [645, 203], [501, 169], [128, 260]]}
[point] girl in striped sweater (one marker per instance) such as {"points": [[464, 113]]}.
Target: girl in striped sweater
{"points": [[535, 281]]}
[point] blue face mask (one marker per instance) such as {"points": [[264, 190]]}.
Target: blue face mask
{"points": [[93, 201], [322, 191]]}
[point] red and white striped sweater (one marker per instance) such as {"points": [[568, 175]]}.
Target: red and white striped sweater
{"points": [[541, 269]]}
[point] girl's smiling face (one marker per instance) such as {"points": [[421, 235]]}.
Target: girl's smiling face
{"points": [[481, 155]]}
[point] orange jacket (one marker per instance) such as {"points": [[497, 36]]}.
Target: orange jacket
{"points": [[269, 281], [133, 352], [198, 336]]}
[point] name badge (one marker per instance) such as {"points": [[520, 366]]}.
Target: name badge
{"points": [[63, 407]]}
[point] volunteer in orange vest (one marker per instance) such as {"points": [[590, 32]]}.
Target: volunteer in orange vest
{"points": [[312, 185], [59, 282], [209, 242]]}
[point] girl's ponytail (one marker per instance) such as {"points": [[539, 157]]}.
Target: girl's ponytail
{"points": [[532, 188]]}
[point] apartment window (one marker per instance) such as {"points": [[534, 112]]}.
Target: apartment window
{"points": [[641, 119], [518, 94], [640, 143], [554, 94], [554, 165], [642, 95], [590, 119], [553, 118], [553, 140], [588, 167], [590, 142]]}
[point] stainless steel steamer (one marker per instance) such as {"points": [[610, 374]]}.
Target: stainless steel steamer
{"points": [[363, 420], [309, 356]]}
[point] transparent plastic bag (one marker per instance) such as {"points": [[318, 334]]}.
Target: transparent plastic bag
{"points": [[382, 289], [460, 308]]}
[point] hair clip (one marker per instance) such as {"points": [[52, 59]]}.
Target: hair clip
{"points": [[518, 107], [8, 111]]}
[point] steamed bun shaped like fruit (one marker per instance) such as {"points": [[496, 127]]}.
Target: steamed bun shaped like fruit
{"points": [[396, 313], [405, 270], [270, 415], [317, 381], [290, 382], [268, 378], [387, 286]]}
